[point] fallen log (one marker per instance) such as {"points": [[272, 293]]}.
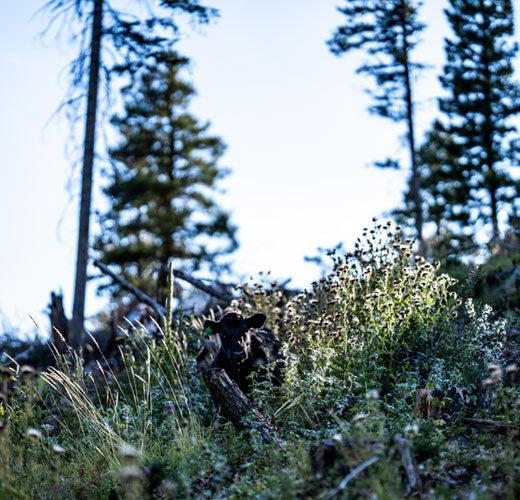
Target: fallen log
{"points": [[485, 425], [234, 405]]}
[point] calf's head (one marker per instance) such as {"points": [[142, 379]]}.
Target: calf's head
{"points": [[232, 329]]}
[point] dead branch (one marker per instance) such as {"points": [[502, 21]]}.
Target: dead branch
{"points": [[160, 310], [202, 286], [414, 480], [348, 477], [492, 426]]}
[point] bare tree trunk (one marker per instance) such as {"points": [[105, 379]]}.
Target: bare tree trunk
{"points": [[415, 182], [77, 333], [59, 323], [494, 219]]}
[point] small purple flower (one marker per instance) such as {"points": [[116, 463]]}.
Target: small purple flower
{"points": [[384, 271], [400, 320], [146, 470], [68, 352], [170, 407], [394, 282], [414, 302], [399, 441]]}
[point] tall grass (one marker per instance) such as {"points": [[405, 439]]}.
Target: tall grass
{"points": [[381, 324]]}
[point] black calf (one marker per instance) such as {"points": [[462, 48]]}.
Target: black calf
{"points": [[245, 347]]}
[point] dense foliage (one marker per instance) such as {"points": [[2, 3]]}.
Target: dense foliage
{"points": [[380, 327], [478, 132]]}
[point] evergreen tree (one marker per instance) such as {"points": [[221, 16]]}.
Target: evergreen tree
{"points": [[129, 41], [388, 30], [160, 192], [445, 201], [481, 100]]}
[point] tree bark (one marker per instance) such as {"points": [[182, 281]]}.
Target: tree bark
{"points": [[77, 333], [233, 404], [415, 181], [59, 323]]}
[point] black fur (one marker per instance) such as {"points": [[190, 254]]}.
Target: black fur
{"points": [[246, 346]]}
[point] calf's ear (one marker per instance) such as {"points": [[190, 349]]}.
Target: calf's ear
{"points": [[256, 321], [211, 327]]}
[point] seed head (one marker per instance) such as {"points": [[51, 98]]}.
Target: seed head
{"points": [[488, 382], [33, 434], [168, 487], [337, 437], [131, 473], [27, 371], [128, 452], [6, 372], [359, 417], [495, 371], [58, 450], [372, 395], [411, 429]]}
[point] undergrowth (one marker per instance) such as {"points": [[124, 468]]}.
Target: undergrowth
{"points": [[361, 344]]}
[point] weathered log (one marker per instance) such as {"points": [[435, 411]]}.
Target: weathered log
{"points": [[233, 404], [424, 406], [438, 404], [59, 323], [496, 426]]}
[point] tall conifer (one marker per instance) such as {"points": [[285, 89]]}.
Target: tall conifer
{"points": [[388, 30], [482, 97], [129, 41], [161, 191]]}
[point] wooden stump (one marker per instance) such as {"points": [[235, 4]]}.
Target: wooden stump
{"points": [[59, 323], [234, 405]]}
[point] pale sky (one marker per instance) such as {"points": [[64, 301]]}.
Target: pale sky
{"points": [[294, 118]]}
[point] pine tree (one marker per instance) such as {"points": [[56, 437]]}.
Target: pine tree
{"points": [[388, 30], [160, 191], [444, 193], [482, 98], [129, 40]]}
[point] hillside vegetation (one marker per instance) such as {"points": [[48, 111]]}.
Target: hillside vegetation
{"points": [[396, 385]]}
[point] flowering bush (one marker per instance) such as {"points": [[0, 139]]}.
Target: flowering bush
{"points": [[381, 317]]}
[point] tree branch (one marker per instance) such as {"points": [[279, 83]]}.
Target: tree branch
{"points": [[160, 310]]}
